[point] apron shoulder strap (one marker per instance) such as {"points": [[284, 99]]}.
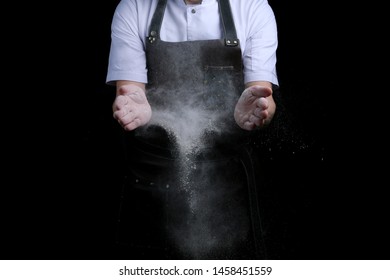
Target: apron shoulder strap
{"points": [[231, 39], [155, 26]]}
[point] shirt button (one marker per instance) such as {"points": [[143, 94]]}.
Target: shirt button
{"points": [[193, 11]]}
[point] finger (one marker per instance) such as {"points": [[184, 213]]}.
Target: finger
{"points": [[248, 125], [132, 125], [255, 120], [127, 118], [119, 114], [262, 103], [258, 112], [125, 115], [261, 123], [261, 114], [120, 102]]}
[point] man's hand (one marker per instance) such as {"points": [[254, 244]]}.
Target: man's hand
{"points": [[252, 108], [131, 108]]}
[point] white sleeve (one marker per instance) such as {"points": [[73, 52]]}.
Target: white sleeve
{"points": [[259, 55], [127, 59]]}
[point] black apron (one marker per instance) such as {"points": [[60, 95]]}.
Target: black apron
{"points": [[190, 191]]}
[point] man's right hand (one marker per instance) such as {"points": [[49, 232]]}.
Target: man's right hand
{"points": [[255, 108], [131, 107]]}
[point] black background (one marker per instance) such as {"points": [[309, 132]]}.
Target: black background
{"points": [[63, 157]]}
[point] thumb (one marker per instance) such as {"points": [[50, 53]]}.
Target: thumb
{"points": [[260, 91], [129, 89], [123, 90]]}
